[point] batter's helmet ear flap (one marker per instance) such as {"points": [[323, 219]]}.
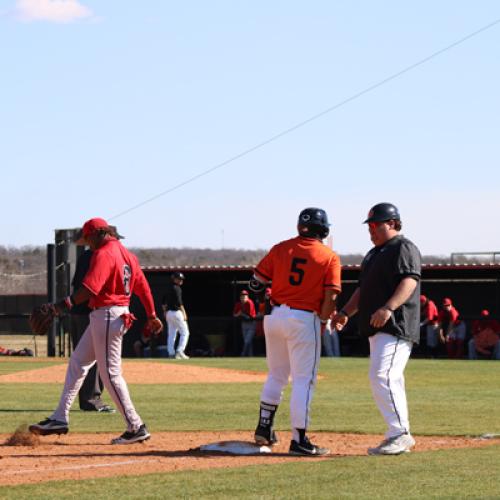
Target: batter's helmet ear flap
{"points": [[313, 223], [382, 212]]}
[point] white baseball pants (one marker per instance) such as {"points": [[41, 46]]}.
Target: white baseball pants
{"points": [[176, 324], [293, 347], [388, 358], [101, 342]]}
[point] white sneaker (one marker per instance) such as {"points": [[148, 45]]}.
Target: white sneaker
{"points": [[394, 445], [181, 355]]}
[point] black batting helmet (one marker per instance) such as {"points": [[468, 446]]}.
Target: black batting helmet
{"points": [[382, 212], [178, 275], [313, 223]]}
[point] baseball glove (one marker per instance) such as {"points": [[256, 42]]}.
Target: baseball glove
{"points": [[41, 318]]}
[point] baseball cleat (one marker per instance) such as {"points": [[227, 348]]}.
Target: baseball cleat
{"points": [[307, 449], [129, 437], [265, 436], [395, 445], [106, 409], [181, 355], [49, 426]]}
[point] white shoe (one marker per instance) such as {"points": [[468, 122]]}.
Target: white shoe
{"points": [[181, 355], [394, 445]]}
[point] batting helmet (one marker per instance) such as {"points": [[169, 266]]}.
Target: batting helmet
{"points": [[178, 275], [382, 212], [313, 223]]}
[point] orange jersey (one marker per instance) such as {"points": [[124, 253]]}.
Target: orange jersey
{"points": [[301, 269]]}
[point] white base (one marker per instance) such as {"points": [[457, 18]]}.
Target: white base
{"points": [[489, 436], [236, 448]]}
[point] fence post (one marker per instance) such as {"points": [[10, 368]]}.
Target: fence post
{"points": [[51, 296]]}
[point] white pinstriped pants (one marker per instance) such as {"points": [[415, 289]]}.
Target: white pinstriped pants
{"points": [[293, 347], [388, 358], [101, 342]]}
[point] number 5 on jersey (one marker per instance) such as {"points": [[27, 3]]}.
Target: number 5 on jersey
{"points": [[296, 271]]}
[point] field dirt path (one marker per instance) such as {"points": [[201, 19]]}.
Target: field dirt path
{"points": [[169, 372], [82, 456]]}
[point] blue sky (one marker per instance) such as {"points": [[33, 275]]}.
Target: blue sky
{"points": [[107, 104]]}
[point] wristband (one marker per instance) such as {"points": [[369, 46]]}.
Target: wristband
{"points": [[68, 303], [342, 311]]}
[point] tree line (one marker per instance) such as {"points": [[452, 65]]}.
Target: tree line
{"points": [[23, 269]]}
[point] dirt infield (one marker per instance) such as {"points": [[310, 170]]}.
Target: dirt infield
{"points": [[170, 372], [82, 456]]}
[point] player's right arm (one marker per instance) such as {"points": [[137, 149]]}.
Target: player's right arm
{"points": [[143, 291], [263, 273]]}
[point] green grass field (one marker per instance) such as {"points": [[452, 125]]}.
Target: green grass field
{"points": [[445, 398]]}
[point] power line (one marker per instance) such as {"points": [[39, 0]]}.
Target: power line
{"points": [[311, 119]]}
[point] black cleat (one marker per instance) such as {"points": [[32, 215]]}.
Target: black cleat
{"points": [[307, 449], [49, 426], [129, 437], [265, 436]]}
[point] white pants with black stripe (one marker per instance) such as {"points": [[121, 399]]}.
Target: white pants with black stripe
{"points": [[293, 347], [176, 324], [388, 358], [101, 342]]}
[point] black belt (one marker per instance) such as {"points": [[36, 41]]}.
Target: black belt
{"points": [[294, 308]]}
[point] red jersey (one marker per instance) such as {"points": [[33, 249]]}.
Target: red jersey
{"points": [[483, 324], [247, 308], [450, 316], [430, 312], [114, 274], [301, 269]]}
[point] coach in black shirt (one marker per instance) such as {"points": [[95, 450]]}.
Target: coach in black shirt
{"points": [[387, 301]]}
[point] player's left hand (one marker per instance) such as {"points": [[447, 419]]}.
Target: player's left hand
{"points": [[380, 317], [154, 325]]}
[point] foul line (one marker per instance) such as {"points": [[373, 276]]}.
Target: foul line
{"points": [[77, 467], [311, 119]]}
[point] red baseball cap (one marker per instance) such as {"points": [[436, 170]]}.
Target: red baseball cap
{"points": [[485, 312], [243, 292], [423, 299], [93, 225], [447, 302]]}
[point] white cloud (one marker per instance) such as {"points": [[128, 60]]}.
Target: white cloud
{"points": [[57, 11]]}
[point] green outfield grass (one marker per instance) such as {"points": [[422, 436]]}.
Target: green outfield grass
{"points": [[445, 398]]}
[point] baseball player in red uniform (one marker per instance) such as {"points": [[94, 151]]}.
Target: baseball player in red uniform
{"points": [[305, 277], [114, 274], [429, 321]]}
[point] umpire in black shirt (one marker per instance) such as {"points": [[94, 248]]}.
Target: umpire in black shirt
{"points": [[89, 395], [387, 301]]}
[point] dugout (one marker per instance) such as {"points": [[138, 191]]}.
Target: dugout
{"points": [[210, 293]]}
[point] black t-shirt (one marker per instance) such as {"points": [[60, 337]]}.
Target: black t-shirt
{"points": [[382, 270], [82, 266], [172, 297]]}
